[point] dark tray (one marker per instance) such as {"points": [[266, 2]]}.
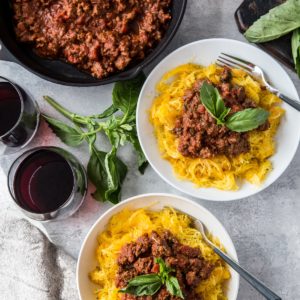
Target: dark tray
{"points": [[248, 12]]}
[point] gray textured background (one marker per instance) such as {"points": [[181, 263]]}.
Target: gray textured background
{"points": [[265, 228]]}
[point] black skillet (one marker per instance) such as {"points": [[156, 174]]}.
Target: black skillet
{"points": [[61, 72]]}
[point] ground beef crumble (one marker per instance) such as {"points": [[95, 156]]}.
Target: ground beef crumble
{"points": [[198, 132], [137, 258], [98, 36]]}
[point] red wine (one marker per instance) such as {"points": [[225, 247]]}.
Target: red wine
{"points": [[10, 107], [43, 182]]}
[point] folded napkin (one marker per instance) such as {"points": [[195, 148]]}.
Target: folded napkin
{"points": [[32, 268]]}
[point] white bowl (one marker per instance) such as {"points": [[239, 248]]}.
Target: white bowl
{"points": [[205, 52], [87, 256]]}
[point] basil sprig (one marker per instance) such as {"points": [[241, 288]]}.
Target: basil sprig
{"points": [[241, 121], [214, 103], [105, 170], [149, 285]]}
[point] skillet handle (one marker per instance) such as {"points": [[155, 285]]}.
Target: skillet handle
{"points": [[5, 54]]}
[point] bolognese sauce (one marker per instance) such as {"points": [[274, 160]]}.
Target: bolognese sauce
{"points": [[198, 132], [98, 36], [138, 258]]}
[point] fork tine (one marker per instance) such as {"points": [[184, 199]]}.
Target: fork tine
{"points": [[248, 63], [236, 64], [220, 63], [223, 63]]}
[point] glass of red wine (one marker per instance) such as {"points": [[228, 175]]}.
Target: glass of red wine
{"points": [[19, 117], [47, 183]]}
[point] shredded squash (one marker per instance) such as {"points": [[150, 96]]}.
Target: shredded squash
{"points": [[128, 225], [220, 172]]}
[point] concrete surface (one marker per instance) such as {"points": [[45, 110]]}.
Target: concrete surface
{"points": [[265, 228]]}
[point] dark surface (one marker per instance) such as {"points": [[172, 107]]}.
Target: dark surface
{"points": [[248, 12], [63, 73]]}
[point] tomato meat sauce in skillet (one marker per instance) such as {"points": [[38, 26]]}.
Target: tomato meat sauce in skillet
{"points": [[98, 36]]}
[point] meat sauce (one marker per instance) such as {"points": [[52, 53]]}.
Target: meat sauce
{"points": [[137, 258], [198, 132], [98, 36]]}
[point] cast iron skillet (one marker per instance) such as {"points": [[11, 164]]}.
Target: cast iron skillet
{"points": [[63, 73]]}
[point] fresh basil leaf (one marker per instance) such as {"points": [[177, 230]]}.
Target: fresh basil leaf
{"points": [[296, 49], [107, 113], [144, 285], [277, 22], [107, 172], [96, 173], [213, 102], [162, 266], [208, 98], [143, 290], [125, 94], [114, 137], [221, 109], [144, 279], [69, 135], [116, 172], [148, 290], [224, 114], [91, 137], [173, 287], [127, 127], [247, 119], [148, 285], [132, 138]]}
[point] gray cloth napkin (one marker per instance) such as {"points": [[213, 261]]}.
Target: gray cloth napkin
{"points": [[32, 268]]}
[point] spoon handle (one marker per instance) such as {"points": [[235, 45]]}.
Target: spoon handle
{"points": [[258, 285]]}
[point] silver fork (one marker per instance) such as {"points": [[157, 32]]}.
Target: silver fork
{"points": [[235, 62], [257, 284]]}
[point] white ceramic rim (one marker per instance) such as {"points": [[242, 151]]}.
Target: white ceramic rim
{"points": [[238, 195], [131, 199]]}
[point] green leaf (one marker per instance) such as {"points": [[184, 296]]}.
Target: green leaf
{"points": [[144, 285], [149, 285], [247, 119], [146, 289], [107, 172], [91, 137], [144, 279], [132, 138], [127, 127], [162, 266], [114, 137], [107, 113], [277, 22], [213, 102], [296, 49], [149, 289], [173, 287], [126, 93], [69, 135], [209, 97]]}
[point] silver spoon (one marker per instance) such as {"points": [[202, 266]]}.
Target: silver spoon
{"points": [[258, 285]]}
